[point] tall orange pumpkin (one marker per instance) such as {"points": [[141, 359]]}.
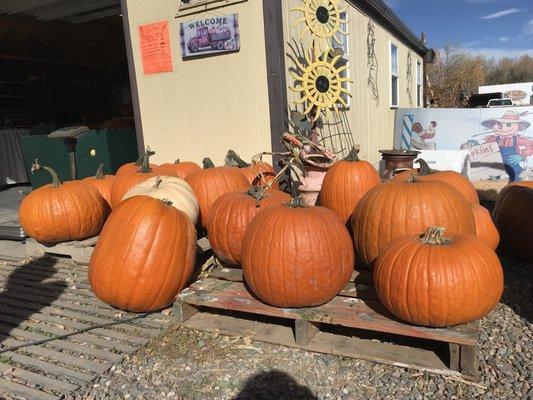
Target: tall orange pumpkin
{"points": [[103, 183], [178, 169], [485, 228], [211, 183], [144, 255], [457, 180], [345, 183], [437, 281], [295, 256], [513, 214], [258, 172], [126, 181], [395, 209], [230, 216], [60, 212]]}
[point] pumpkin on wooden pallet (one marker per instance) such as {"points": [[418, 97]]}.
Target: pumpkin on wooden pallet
{"points": [[434, 280], [513, 213], [175, 190], [296, 256], [126, 181], [395, 209], [103, 183], [485, 228], [230, 216], [345, 183], [178, 169], [144, 255], [212, 182], [457, 180], [258, 173], [61, 212]]}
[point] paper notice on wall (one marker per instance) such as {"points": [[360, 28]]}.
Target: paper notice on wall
{"points": [[155, 48]]}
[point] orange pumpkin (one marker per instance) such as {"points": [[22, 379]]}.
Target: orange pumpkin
{"points": [[295, 256], [144, 255], [60, 212], [528, 184], [133, 167], [102, 183], [178, 169], [211, 183], [345, 183], [513, 213], [485, 228], [457, 180], [258, 173], [230, 216], [395, 209], [437, 281], [126, 181]]}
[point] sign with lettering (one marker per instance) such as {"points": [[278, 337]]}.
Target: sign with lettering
{"points": [[213, 34], [155, 48]]}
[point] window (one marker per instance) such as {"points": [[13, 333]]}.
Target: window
{"points": [[395, 73], [418, 84]]}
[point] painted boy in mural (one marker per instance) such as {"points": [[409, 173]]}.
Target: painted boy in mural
{"points": [[514, 146]]}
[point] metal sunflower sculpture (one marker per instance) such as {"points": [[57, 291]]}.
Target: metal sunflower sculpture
{"points": [[320, 84], [322, 20]]}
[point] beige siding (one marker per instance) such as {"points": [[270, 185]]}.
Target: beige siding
{"points": [[206, 105], [366, 123]]}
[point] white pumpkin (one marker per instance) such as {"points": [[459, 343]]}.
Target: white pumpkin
{"points": [[166, 187]]}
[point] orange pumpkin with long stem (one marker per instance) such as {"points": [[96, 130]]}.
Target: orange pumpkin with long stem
{"points": [[258, 173], [485, 228], [132, 167], [178, 169], [103, 183]]}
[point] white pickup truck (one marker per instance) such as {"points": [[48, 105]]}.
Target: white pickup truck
{"points": [[494, 103]]}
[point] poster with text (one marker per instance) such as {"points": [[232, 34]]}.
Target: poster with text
{"points": [[154, 41], [499, 140], [210, 35]]}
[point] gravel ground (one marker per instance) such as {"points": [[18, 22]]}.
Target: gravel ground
{"points": [[184, 364]]}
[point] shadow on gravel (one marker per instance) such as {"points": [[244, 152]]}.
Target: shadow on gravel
{"points": [[273, 385], [518, 287], [25, 293]]}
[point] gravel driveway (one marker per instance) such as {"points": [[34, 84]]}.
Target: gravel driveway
{"points": [[185, 364]]}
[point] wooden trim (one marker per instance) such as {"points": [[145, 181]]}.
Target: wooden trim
{"points": [[275, 59], [133, 78]]}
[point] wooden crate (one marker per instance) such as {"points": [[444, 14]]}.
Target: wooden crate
{"points": [[353, 324]]}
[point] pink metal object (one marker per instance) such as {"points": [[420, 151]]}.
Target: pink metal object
{"points": [[311, 184]]}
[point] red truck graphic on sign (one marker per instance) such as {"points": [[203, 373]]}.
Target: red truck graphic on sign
{"points": [[214, 38]]}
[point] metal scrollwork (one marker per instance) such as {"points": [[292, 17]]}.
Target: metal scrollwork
{"points": [[372, 61], [410, 77]]}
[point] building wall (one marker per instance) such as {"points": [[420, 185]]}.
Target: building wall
{"points": [[209, 104], [366, 123]]}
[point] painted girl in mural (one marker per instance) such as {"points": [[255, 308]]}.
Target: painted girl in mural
{"points": [[514, 146]]}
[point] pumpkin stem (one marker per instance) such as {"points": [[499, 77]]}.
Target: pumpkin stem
{"points": [[167, 202], [235, 158], [413, 179], [257, 192], [55, 178], [296, 202], [139, 162], [424, 169], [145, 167], [100, 172], [435, 236], [177, 161], [352, 155], [158, 181], [208, 163]]}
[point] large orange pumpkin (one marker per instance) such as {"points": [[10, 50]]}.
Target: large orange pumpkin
{"points": [[126, 181], [296, 256], [211, 183], [436, 281], [345, 183], [60, 212], [258, 172], [485, 228], [395, 209], [178, 169], [528, 184], [144, 255], [513, 214], [231, 215], [457, 180], [103, 183], [134, 166]]}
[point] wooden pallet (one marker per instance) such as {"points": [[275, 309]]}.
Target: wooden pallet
{"points": [[45, 299], [347, 326]]}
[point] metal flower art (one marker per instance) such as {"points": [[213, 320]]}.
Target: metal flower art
{"points": [[320, 84], [323, 21]]}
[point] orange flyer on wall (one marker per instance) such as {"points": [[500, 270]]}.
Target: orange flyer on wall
{"points": [[155, 48]]}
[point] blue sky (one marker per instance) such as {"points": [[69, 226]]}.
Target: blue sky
{"points": [[494, 28]]}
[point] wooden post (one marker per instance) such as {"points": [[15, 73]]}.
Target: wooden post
{"points": [[183, 311], [304, 331]]}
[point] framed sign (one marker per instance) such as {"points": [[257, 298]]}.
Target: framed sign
{"points": [[210, 35]]}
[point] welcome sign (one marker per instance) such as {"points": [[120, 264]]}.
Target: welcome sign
{"points": [[210, 35]]}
